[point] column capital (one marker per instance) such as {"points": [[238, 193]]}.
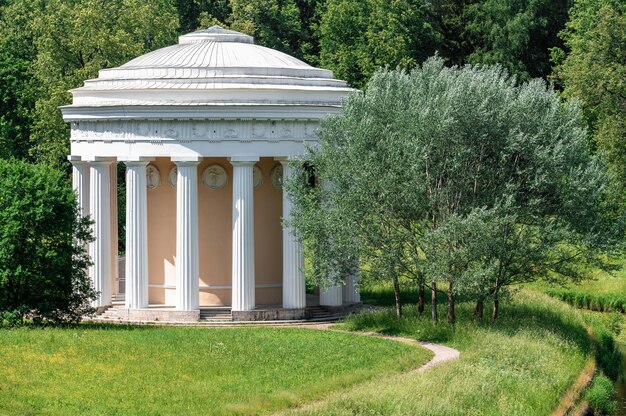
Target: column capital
{"points": [[75, 159], [100, 160], [189, 160], [136, 160], [243, 160], [136, 163]]}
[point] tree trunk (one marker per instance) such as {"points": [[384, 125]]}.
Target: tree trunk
{"points": [[496, 305], [451, 312], [433, 303], [480, 308], [422, 295], [396, 292]]}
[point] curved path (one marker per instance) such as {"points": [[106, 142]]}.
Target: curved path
{"points": [[442, 353]]}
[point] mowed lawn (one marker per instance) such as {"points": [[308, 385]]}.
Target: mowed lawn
{"points": [[101, 370], [521, 365]]}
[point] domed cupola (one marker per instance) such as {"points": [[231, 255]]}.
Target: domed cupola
{"points": [[210, 68]]}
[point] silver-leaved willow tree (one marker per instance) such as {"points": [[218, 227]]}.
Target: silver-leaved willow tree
{"points": [[458, 179]]}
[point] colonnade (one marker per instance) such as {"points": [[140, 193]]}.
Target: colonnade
{"points": [[95, 181]]}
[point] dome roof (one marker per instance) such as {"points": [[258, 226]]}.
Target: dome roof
{"points": [[214, 66]]}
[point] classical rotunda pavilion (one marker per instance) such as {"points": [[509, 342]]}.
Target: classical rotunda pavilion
{"points": [[205, 129]]}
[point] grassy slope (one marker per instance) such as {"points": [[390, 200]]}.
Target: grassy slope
{"points": [[604, 291], [520, 366], [126, 370]]}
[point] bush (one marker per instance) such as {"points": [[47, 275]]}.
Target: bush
{"points": [[601, 396], [42, 247]]}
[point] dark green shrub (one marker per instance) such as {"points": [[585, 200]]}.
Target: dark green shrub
{"points": [[601, 396], [10, 318], [42, 240]]}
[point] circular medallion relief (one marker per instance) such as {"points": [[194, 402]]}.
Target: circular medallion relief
{"points": [[276, 177], [153, 176], [215, 177], [172, 177], [257, 176]]}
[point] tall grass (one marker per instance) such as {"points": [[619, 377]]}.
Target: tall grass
{"points": [[604, 292], [607, 302], [520, 365]]}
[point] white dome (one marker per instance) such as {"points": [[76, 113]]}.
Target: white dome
{"points": [[207, 68]]}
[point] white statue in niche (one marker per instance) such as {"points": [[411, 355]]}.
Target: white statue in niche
{"points": [[257, 176], [215, 177], [153, 176], [276, 176], [172, 177]]}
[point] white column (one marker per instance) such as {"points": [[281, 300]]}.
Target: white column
{"points": [[294, 291], [351, 289], [243, 235], [115, 279], [331, 296], [187, 275], [136, 235], [100, 248], [80, 183]]}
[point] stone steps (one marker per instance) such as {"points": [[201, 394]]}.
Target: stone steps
{"points": [[320, 313], [118, 297], [215, 314]]}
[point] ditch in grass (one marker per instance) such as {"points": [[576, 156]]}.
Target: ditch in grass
{"points": [[520, 366], [119, 370]]}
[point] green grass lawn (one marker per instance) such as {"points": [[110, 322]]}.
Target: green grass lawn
{"points": [[100, 370], [520, 366]]}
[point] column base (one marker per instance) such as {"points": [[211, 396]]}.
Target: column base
{"points": [[345, 308], [269, 315], [154, 314], [102, 309]]}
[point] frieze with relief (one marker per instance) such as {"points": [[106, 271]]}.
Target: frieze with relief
{"points": [[189, 130]]}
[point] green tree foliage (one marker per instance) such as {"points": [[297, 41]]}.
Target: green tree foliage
{"points": [[456, 174], [193, 13], [71, 41], [516, 34], [17, 95], [450, 19], [275, 24], [357, 37], [592, 69], [42, 246]]}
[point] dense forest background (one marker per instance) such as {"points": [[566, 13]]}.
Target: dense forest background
{"points": [[50, 46]]}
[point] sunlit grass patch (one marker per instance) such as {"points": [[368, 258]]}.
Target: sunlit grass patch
{"points": [[150, 371]]}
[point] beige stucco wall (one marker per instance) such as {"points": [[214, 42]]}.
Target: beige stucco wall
{"points": [[215, 236]]}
